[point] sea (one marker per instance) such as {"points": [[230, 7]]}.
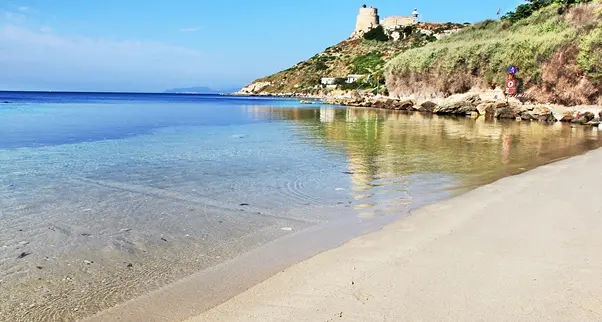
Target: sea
{"points": [[106, 197]]}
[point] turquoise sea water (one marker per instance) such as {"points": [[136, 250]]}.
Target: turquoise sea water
{"points": [[114, 195]]}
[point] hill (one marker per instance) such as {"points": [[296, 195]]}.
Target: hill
{"points": [[557, 47], [366, 55]]}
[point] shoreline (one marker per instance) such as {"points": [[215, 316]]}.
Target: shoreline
{"points": [[521, 248], [474, 103]]}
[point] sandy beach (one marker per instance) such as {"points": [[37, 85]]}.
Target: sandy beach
{"points": [[525, 248]]}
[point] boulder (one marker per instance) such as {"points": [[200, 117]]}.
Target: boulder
{"points": [[567, 116], [600, 116], [427, 107], [459, 104], [526, 116], [542, 114], [489, 107], [583, 118], [381, 104], [406, 105], [509, 112]]}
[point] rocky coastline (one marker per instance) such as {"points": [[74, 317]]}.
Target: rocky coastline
{"points": [[473, 105]]}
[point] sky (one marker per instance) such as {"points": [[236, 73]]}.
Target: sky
{"points": [[154, 45]]}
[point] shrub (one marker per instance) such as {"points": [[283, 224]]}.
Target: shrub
{"points": [[525, 10], [590, 55], [365, 64], [377, 34]]}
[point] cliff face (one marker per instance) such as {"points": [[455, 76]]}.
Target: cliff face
{"points": [[559, 58], [352, 56]]}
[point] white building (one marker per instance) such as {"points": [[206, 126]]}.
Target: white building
{"points": [[328, 80], [354, 78]]}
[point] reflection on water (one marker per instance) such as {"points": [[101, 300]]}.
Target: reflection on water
{"points": [[383, 145]]}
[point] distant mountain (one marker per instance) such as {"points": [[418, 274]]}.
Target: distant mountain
{"points": [[200, 90]]}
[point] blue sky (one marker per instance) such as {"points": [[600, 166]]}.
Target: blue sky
{"points": [[152, 45]]}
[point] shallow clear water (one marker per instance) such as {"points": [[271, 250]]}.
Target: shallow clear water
{"points": [[113, 195]]}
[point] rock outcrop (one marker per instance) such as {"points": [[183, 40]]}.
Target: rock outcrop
{"points": [[489, 108], [583, 118], [254, 88], [427, 107], [459, 104], [467, 104]]}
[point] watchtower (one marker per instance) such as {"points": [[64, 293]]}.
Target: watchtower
{"points": [[366, 19]]}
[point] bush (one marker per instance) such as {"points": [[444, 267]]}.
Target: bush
{"points": [[365, 64], [320, 65], [590, 55], [377, 34], [525, 10]]}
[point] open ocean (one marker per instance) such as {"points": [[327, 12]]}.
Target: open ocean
{"points": [[107, 196]]}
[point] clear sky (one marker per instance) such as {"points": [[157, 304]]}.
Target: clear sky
{"points": [[152, 45]]}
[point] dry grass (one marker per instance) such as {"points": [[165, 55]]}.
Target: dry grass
{"points": [[546, 47]]}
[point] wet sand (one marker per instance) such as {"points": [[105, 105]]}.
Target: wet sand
{"points": [[525, 248]]}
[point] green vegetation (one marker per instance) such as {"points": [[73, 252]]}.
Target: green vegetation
{"points": [[364, 64], [480, 54], [590, 55], [525, 10], [352, 56], [377, 34]]}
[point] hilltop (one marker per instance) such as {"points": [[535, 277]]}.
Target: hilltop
{"points": [[372, 44]]}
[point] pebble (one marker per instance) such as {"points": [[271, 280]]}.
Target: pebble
{"points": [[287, 228], [87, 262], [24, 243], [23, 254], [125, 229]]}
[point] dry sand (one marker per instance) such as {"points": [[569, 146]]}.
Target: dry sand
{"points": [[525, 248]]}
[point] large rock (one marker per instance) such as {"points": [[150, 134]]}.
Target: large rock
{"points": [[583, 118], [509, 112], [459, 104], [567, 116], [600, 116], [543, 114], [381, 104], [406, 105], [490, 107], [427, 107]]}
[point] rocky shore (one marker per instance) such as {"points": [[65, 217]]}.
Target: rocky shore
{"points": [[474, 106]]}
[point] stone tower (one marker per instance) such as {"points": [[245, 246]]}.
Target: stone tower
{"points": [[366, 19]]}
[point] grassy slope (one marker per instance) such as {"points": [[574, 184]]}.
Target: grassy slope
{"points": [[558, 56], [347, 57]]}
